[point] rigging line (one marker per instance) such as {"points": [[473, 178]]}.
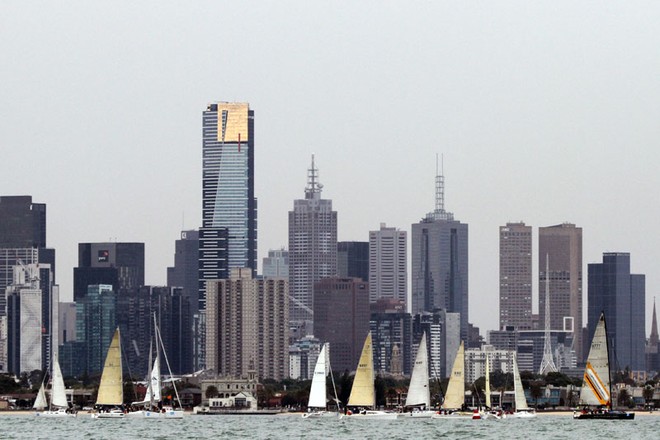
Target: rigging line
{"points": [[160, 341]]}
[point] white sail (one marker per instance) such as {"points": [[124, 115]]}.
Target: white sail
{"points": [[362, 392], [40, 402], [154, 389], [418, 392], [58, 397], [455, 395], [596, 381], [487, 390], [521, 400], [317, 395]]}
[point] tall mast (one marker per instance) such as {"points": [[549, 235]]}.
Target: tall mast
{"points": [[439, 212]]}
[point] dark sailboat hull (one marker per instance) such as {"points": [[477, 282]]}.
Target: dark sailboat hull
{"points": [[606, 415]]}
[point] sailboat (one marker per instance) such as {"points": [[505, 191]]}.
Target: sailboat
{"points": [[57, 398], [363, 395], [153, 408], [111, 388], [317, 395], [489, 412], [419, 395], [454, 404], [522, 410], [596, 388]]}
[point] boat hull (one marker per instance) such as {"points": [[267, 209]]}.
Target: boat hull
{"points": [[109, 415], [55, 414], [371, 415], [455, 415], [426, 414], [522, 415], [167, 414], [321, 415], [604, 415]]}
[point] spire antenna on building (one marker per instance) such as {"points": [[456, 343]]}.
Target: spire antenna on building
{"points": [[439, 212], [313, 189], [547, 363]]}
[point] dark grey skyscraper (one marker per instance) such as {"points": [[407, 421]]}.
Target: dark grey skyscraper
{"points": [[353, 259], [185, 272], [228, 236], [621, 296], [440, 262], [22, 223], [516, 276], [120, 265], [312, 248]]}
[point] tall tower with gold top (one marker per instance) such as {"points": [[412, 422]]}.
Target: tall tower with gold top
{"points": [[228, 236]]}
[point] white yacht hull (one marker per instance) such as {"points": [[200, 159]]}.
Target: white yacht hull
{"points": [[167, 414], [522, 415], [321, 415], [55, 414], [116, 414], [371, 415], [426, 414], [456, 415]]}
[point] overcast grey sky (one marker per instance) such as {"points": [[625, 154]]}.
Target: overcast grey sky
{"points": [[545, 112]]}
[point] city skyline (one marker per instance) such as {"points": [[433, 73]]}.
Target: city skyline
{"points": [[544, 114]]}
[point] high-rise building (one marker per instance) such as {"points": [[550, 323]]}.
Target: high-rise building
{"points": [[120, 265], [341, 317], [619, 294], [388, 264], [440, 262], [171, 309], [32, 318], [312, 249], [22, 223], [353, 259], [562, 246], [22, 242], [391, 332], [247, 326], [95, 325], [185, 272], [228, 236], [443, 332], [276, 264], [516, 276]]}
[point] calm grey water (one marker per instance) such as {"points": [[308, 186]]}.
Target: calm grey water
{"points": [[294, 427]]}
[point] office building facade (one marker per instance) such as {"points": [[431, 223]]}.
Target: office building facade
{"points": [[120, 265], [516, 276], [440, 262], [561, 247], [276, 264], [612, 289], [391, 333], [353, 259], [342, 318], [95, 325], [388, 264], [247, 325], [312, 249], [228, 236]]}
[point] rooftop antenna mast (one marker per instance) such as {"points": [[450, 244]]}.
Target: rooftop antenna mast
{"points": [[547, 363]]}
